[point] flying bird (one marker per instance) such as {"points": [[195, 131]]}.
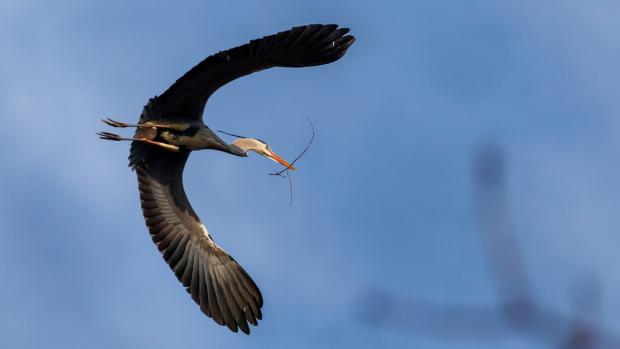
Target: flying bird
{"points": [[171, 127]]}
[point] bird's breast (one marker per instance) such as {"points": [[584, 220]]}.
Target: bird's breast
{"points": [[190, 141], [146, 132]]}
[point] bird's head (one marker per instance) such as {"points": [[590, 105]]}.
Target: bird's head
{"points": [[260, 147]]}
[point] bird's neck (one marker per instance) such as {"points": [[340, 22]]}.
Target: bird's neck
{"points": [[245, 144], [237, 150], [212, 141]]}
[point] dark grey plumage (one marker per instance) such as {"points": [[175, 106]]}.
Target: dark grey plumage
{"points": [[215, 281], [220, 286]]}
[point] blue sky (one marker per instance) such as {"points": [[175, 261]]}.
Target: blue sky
{"points": [[383, 200]]}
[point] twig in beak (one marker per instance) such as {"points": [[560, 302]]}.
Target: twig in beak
{"points": [[279, 173], [287, 170]]}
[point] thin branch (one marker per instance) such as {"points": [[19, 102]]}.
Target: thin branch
{"points": [[287, 169], [290, 188], [300, 155]]}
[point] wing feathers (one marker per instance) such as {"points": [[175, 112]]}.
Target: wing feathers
{"points": [[304, 35], [173, 256], [241, 305], [186, 277], [221, 288], [303, 46], [221, 301], [207, 297], [195, 280], [251, 302], [178, 266]]}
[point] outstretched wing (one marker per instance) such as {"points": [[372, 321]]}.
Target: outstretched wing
{"points": [[299, 47], [215, 281]]}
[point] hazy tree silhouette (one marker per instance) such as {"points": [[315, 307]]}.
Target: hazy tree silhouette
{"points": [[518, 312]]}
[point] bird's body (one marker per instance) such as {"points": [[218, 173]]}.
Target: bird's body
{"points": [[171, 127], [184, 134]]}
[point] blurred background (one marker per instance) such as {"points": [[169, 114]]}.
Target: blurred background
{"points": [[462, 190]]}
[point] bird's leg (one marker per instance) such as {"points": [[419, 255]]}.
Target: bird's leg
{"points": [[177, 127], [114, 137]]}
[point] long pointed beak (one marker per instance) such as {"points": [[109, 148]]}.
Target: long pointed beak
{"points": [[275, 157]]}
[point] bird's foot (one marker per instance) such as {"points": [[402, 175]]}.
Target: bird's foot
{"points": [[115, 123], [110, 136]]}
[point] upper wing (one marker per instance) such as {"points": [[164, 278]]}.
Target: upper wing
{"points": [[215, 281], [299, 47]]}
